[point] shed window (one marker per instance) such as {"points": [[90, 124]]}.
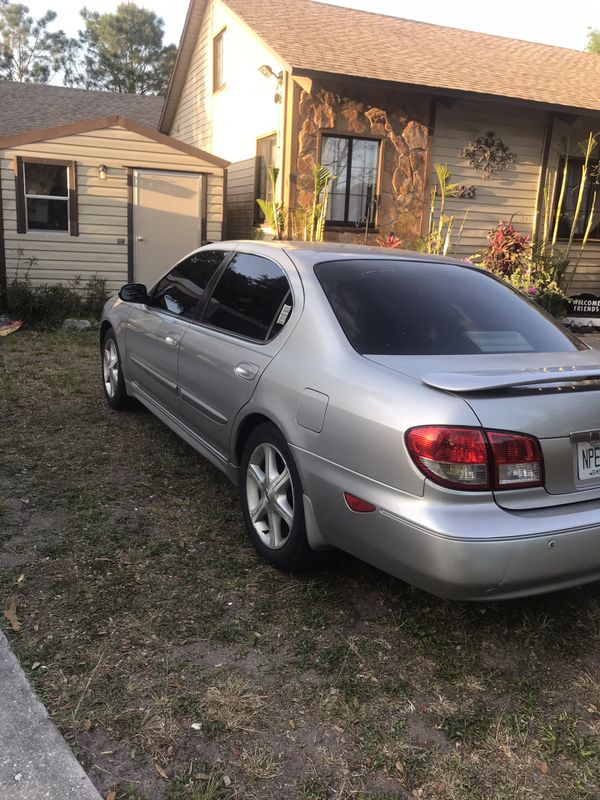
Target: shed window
{"points": [[46, 196], [218, 72], [571, 197], [355, 164]]}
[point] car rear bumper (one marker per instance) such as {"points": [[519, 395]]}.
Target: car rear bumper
{"points": [[466, 548]]}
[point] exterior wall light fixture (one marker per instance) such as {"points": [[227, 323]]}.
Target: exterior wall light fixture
{"points": [[268, 72]]}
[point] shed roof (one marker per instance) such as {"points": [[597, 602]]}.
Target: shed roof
{"points": [[85, 126], [32, 106]]}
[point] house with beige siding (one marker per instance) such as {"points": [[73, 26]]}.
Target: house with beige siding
{"points": [[380, 101], [87, 195]]}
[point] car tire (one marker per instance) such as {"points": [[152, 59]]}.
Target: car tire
{"points": [[113, 380], [271, 497]]}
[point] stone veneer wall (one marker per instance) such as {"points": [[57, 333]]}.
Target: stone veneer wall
{"points": [[401, 124]]}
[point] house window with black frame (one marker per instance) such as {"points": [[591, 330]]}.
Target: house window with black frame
{"points": [[570, 199], [355, 164], [218, 69], [46, 196], [266, 154]]}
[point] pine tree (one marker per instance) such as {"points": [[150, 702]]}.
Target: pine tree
{"points": [[29, 52], [121, 52]]}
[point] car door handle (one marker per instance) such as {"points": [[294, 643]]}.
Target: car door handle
{"points": [[172, 339], [246, 371]]}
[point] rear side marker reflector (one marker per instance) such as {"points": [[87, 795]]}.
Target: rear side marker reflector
{"points": [[475, 459], [356, 504]]}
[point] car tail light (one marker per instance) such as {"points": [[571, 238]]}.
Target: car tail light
{"points": [[475, 459], [454, 457], [517, 460]]}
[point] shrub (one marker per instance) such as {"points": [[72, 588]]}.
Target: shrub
{"points": [[47, 306], [507, 251], [538, 283], [531, 270], [95, 296]]}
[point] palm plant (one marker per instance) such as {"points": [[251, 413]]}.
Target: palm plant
{"points": [[273, 210], [308, 224], [439, 233]]}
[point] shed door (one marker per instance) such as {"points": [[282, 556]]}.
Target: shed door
{"points": [[167, 221]]}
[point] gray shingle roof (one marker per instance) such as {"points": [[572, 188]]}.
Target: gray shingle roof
{"points": [[31, 106], [318, 37]]}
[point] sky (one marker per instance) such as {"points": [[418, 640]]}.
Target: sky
{"points": [[564, 25]]}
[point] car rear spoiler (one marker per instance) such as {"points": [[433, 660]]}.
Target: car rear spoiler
{"points": [[464, 382]]}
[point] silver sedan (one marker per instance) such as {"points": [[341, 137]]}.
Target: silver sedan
{"points": [[411, 410]]}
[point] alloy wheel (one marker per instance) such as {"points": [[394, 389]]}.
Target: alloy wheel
{"points": [[270, 495], [110, 367]]}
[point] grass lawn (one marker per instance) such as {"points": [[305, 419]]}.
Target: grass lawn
{"points": [[179, 666]]}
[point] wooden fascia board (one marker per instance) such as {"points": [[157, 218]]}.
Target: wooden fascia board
{"points": [[185, 52], [442, 92], [85, 126]]}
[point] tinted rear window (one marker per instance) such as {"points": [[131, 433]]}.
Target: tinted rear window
{"points": [[388, 307], [251, 299]]}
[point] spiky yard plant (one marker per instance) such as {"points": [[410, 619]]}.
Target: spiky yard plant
{"points": [[439, 232], [308, 224], [546, 249], [273, 210]]}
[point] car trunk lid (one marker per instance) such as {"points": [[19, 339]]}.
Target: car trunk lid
{"points": [[559, 404]]}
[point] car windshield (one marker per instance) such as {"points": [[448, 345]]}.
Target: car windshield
{"points": [[397, 307]]}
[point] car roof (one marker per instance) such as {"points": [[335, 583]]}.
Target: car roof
{"points": [[309, 253]]}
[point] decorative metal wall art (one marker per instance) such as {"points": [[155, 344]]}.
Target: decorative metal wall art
{"points": [[489, 154]]}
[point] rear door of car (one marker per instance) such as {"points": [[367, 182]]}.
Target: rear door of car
{"points": [[155, 331], [223, 356]]}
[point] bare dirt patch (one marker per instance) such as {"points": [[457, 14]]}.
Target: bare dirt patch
{"points": [[181, 667]]}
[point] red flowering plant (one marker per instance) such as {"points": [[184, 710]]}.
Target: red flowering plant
{"points": [[511, 256], [507, 250], [391, 240]]}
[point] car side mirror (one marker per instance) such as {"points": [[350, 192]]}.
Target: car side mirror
{"points": [[134, 293]]}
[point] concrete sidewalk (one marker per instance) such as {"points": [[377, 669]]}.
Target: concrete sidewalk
{"points": [[35, 761]]}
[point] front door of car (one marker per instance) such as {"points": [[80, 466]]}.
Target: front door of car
{"points": [[155, 331], [152, 341], [221, 358]]}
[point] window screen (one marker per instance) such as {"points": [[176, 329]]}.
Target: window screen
{"points": [[419, 308], [180, 291], [252, 298]]}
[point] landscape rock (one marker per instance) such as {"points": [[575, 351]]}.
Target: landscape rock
{"points": [[77, 325]]}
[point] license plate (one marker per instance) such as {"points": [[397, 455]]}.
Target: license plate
{"points": [[588, 460]]}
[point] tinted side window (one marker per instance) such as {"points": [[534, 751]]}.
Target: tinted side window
{"points": [[181, 289], [389, 307], [251, 299]]}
